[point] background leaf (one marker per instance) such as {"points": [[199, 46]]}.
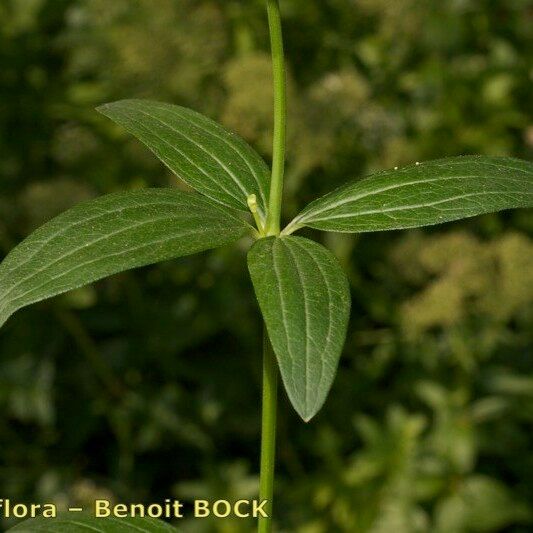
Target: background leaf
{"points": [[83, 524], [305, 300], [108, 235], [480, 504], [423, 194], [209, 158]]}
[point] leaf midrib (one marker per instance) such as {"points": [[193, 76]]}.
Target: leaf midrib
{"points": [[221, 138], [7, 303], [415, 206], [275, 266], [65, 229], [213, 156], [309, 216], [140, 125], [172, 216], [306, 317], [330, 314]]}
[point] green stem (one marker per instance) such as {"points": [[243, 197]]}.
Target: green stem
{"points": [[272, 227], [280, 118], [268, 432]]}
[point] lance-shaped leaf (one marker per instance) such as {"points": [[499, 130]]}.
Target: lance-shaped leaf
{"points": [[423, 194], [83, 524], [108, 235], [201, 152], [305, 300]]}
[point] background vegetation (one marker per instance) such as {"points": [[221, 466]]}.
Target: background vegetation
{"points": [[146, 385]]}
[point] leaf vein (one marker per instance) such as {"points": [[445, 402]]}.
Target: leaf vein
{"points": [[409, 207], [232, 146], [233, 177]]}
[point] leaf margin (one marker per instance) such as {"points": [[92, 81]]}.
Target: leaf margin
{"points": [[255, 163], [306, 412], [19, 260], [304, 218]]}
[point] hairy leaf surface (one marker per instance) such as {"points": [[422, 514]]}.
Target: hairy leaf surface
{"points": [[108, 235], [201, 152], [304, 297], [423, 194], [85, 524]]}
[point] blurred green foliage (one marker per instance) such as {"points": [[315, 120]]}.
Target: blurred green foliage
{"points": [[146, 385]]}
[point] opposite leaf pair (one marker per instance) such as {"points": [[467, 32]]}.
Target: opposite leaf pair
{"points": [[302, 291]]}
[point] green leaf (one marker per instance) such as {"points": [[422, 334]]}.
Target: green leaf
{"points": [[304, 297], [422, 195], [202, 153], [85, 524], [108, 235]]}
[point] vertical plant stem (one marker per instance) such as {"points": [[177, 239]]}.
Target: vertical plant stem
{"points": [[280, 118], [268, 432], [272, 227]]}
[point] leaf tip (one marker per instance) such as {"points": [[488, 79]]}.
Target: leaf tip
{"points": [[305, 413], [106, 106], [102, 107]]}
